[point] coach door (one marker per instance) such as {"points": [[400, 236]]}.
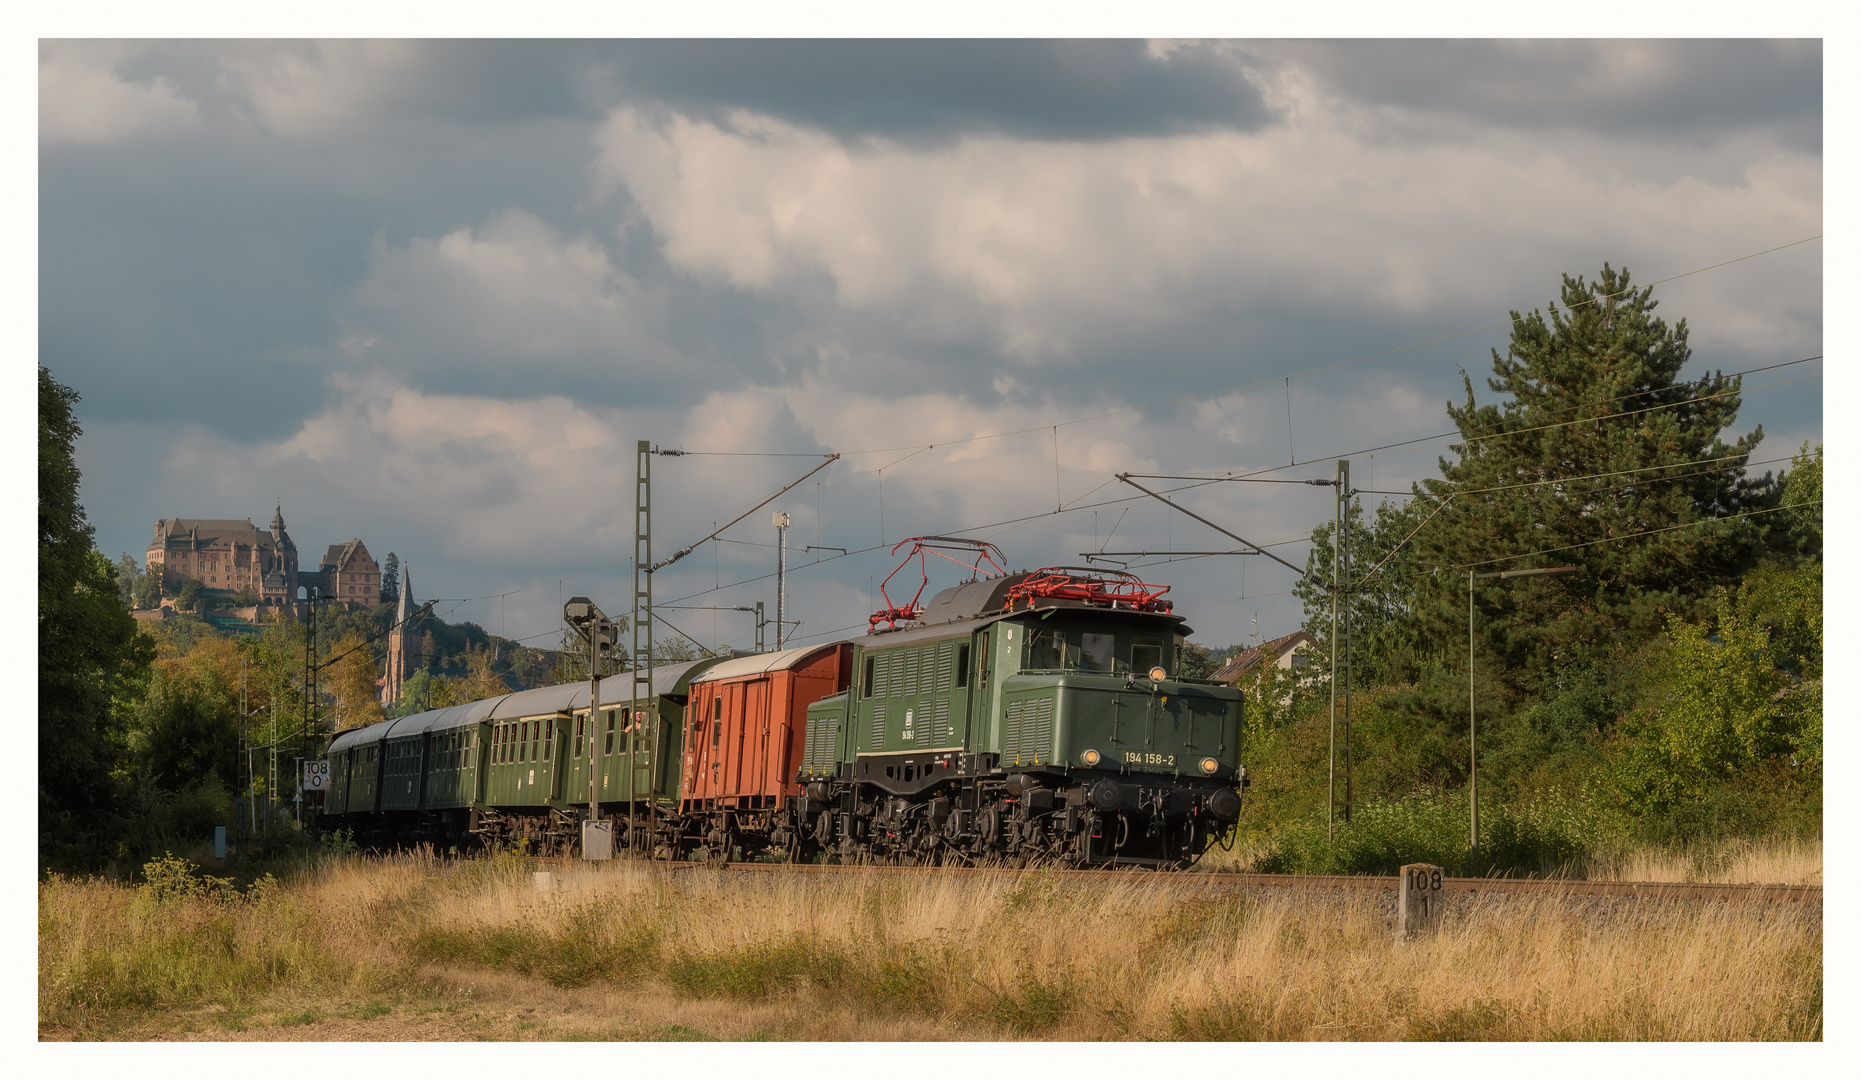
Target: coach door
{"points": [[640, 744]]}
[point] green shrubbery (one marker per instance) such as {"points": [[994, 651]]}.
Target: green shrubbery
{"points": [[1538, 837]]}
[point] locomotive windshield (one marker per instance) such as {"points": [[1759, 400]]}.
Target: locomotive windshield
{"points": [[1064, 648]]}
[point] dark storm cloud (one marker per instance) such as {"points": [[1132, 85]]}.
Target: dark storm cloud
{"points": [[397, 283], [1664, 89], [465, 81], [920, 89]]}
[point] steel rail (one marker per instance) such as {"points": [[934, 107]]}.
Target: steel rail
{"points": [[1647, 890]]}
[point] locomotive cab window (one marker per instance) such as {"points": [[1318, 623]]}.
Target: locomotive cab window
{"points": [[1049, 650], [1097, 652], [865, 686], [962, 665], [1146, 653]]}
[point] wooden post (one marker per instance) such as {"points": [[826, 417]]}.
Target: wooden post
{"points": [[1418, 905]]}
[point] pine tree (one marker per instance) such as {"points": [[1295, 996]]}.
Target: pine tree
{"points": [[1600, 459]]}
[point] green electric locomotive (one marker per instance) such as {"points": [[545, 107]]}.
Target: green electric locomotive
{"points": [[1021, 717]]}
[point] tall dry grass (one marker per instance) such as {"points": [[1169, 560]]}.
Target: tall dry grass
{"points": [[926, 955], [1772, 861], [1786, 861]]}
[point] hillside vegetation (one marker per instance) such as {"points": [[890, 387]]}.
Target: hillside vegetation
{"points": [[1665, 694]]}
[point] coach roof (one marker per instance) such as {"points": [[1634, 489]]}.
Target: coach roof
{"points": [[763, 663]]}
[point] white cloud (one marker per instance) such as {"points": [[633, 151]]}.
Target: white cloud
{"points": [[1051, 244], [483, 495], [306, 89], [81, 99], [513, 291]]}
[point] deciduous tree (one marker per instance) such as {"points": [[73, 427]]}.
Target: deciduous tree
{"points": [[91, 658]]}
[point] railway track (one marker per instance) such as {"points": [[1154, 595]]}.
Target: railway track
{"points": [[1649, 890]]}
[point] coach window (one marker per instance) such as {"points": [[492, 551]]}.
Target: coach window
{"points": [[581, 722], [717, 720], [608, 743]]}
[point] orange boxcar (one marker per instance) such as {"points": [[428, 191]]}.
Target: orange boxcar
{"points": [[745, 726]]}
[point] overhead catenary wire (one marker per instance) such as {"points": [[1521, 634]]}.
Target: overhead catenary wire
{"points": [[1285, 379], [1195, 482], [1404, 445], [1396, 447], [1341, 363], [1625, 536]]}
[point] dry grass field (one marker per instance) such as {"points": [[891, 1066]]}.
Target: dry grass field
{"points": [[1787, 861], [408, 948]]}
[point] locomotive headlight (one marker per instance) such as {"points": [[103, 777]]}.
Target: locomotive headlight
{"points": [[1090, 757], [1209, 765], [1157, 674]]}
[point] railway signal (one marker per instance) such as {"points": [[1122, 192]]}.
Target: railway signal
{"points": [[594, 627]]}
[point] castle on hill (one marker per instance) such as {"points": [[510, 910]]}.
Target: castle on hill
{"points": [[227, 554]]}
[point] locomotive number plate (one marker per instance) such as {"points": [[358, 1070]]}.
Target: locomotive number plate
{"points": [[1137, 758]]}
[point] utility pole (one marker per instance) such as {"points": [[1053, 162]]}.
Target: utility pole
{"points": [[243, 746], [1344, 583], [1337, 579], [642, 658], [780, 520]]}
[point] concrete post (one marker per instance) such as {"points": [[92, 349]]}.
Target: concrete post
{"points": [[598, 840], [1418, 904]]}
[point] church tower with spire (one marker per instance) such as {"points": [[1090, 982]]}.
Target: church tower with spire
{"points": [[403, 644]]}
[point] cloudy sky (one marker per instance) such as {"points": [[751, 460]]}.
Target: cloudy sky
{"points": [[431, 295]]}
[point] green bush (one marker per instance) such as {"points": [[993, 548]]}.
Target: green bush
{"points": [[1536, 837], [1033, 1005], [758, 971], [597, 942]]}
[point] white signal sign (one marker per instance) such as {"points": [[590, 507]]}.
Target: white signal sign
{"points": [[317, 775]]}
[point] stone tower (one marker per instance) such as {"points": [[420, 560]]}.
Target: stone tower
{"points": [[403, 644]]}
